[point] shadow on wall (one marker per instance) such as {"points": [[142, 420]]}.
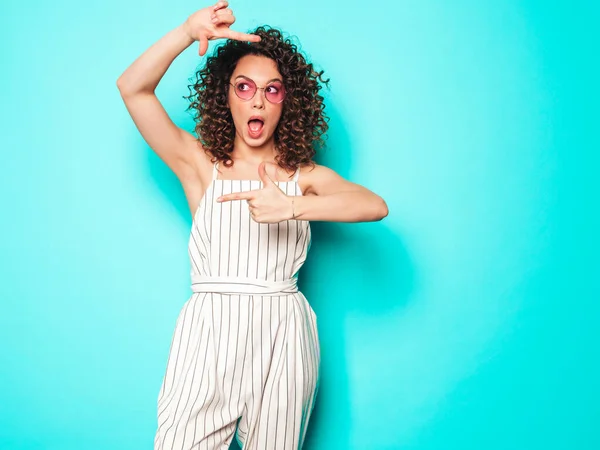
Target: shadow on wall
{"points": [[358, 269]]}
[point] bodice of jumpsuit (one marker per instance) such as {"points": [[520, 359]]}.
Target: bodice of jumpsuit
{"points": [[232, 253]]}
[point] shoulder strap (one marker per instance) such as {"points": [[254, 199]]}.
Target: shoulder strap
{"points": [[297, 174], [215, 172]]}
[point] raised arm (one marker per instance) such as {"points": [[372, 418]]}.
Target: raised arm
{"points": [[176, 147]]}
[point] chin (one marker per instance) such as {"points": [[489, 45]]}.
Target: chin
{"points": [[260, 142]]}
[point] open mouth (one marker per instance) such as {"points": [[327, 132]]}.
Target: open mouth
{"points": [[255, 127]]}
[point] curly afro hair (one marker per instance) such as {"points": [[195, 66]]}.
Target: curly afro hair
{"points": [[303, 121]]}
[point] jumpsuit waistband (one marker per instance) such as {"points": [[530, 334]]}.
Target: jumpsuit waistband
{"points": [[243, 286]]}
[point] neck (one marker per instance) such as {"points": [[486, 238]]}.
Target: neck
{"points": [[253, 154]]}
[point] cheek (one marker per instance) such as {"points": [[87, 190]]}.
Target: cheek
{"points": [[234, 109], [277, 116]]}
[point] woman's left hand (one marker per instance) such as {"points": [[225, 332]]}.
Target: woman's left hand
{"points": [[269, 204]]}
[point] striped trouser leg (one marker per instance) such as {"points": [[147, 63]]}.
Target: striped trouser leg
{"points": [[197, 405], [283, 396]]}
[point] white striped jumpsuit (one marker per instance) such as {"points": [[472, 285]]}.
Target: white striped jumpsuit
{"points": [[244, 357]]}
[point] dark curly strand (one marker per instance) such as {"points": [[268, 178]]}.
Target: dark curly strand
{"points": [[302, 122]]}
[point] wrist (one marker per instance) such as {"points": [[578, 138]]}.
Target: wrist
{"points": [[293, 209], [184, 28]]}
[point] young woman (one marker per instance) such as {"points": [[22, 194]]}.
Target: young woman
{"points": [[244, 358]]}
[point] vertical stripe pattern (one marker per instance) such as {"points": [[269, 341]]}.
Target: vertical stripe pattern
{"points": [[242, 364]]}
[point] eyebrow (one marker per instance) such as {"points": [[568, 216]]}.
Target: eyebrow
{"points": [[272, 79]]}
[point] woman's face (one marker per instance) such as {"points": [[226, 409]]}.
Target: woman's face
{"points": [[255, 119]]}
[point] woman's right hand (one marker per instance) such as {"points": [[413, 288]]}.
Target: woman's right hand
{"points": [[213, 23]]}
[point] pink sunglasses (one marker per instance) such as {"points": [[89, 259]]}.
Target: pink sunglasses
{"points": [[246, 89]]}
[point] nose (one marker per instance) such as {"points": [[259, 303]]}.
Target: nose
{"points": [[258, 101]]}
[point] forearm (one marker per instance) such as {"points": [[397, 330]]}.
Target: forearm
{"points": [[144, 74], [351, 206]]}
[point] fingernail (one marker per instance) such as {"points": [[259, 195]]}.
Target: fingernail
{"points": [[219, 199]]}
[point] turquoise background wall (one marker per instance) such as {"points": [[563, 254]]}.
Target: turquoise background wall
{"points": [[467, 319]]}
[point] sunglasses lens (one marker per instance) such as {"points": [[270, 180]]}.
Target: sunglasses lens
{"points": [[245, 89], [275, 93]]}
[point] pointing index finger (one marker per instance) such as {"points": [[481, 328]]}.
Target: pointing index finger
{"points": [[241, 36], [236, 196]]}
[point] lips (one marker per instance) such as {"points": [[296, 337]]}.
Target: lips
{"points": [[255, 126]]}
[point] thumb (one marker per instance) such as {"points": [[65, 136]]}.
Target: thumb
{"points": [[203, 45], [264, 176]]}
